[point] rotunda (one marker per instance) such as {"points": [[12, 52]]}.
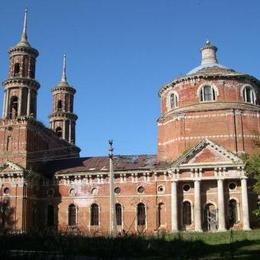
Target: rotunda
{"points": [[211, 101]]}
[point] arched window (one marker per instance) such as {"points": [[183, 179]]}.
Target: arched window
{"points": [[13, 107], [232, 212], [186, 213], [94, 215], [118, 214], [207, 93], [59, 131], [59, 106], [141, 214], [161, 214], [16, 69], [72, 215], [50, 216], [173, 101], [249, 95]]}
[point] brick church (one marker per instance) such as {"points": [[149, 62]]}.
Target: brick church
{"points": [[196, 181]]}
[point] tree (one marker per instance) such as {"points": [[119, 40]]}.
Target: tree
{"points": [[253, 170]]}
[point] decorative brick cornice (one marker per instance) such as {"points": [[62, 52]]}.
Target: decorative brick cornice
{"points": [[64, 88], [208, 77], [23, 49], [22, 81], [63, 115]]}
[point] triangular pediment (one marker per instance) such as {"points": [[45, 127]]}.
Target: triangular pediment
{"points": [[208, 153], [8, 166]]}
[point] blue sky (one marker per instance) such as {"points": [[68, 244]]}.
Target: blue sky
{"points": [[120, 52]]}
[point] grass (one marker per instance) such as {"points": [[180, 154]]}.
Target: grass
{"points": [[222, 245]]}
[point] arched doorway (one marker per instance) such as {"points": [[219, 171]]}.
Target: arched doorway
{"points": [[232, 212], [210, 217]]}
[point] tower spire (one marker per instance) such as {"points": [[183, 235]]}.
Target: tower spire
{"points": [[24, 37], [64, 69]]}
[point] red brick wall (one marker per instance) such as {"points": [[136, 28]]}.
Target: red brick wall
{"points": [[228, 121]]}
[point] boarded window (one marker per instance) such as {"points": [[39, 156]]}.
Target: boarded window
{"points": [[118, 214], [72, 215], [94, 212], [161, 214], [141, 214], [186, 213]]}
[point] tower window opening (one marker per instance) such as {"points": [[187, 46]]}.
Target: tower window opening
{"points": [[16, 69], [14, 107], [59, 106], [58, 131], [249, 95], [207, 93]]}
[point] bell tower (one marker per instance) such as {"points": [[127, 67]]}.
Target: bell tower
{"points": [[20, 89], [62, 119]]}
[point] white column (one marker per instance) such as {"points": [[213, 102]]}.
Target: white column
{"points": [[28, 102], [221, 207], [3, 112], [174, 216], [245, 213], [7, 102], [64, 129], [197, 206], [69, 131], [20, 102]]}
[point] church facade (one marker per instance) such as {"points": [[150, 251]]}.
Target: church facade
{"points": [[196, 181]]}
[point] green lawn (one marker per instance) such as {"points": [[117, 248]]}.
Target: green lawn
{"points": [[184, 245]]}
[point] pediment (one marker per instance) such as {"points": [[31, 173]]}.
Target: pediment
{"points": [[8, 166], [208, 153]]}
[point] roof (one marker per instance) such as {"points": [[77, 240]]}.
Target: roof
{"points": [[99, 164], [213, 69]]}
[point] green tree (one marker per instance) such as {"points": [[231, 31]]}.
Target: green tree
{"points": [[253, 170]]}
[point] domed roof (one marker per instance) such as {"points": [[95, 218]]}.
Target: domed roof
{"points": [[213, 69]]}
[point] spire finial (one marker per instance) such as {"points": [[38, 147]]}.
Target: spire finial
{"points": [[64, 68], [24, 33]]}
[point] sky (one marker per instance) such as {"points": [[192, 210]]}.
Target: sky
{"points": [[121, 52]]}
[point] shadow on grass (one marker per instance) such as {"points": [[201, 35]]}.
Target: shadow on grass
{"points": [[129, 247]]}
